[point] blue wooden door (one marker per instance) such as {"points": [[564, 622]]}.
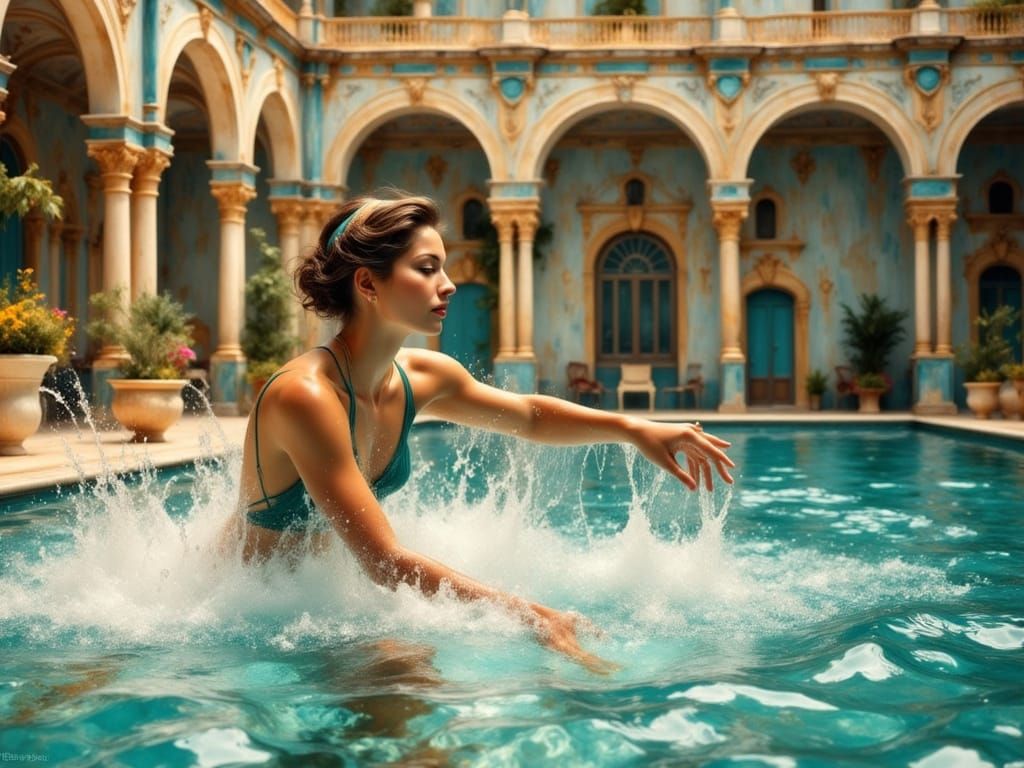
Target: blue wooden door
{"points": [[10, 226], [1002, 285], [770, 348], [466, 334]]}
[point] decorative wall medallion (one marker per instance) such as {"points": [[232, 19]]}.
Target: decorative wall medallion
{"points": [[825, 288], [727, 90], [927, 83], [246, 59], [205, 19], [767, 267], [125, 8], [512, 91], [435, 168], [873, 159], [803, 164], [827, 82], [414, 87]]}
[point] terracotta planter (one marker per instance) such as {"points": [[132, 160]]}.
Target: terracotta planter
{"points": [[867, 399], [982, 397], [1009, 401], [815, 402], [147, 407], [20, 410]]}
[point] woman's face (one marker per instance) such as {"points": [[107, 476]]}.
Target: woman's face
{"points": [[417, 292]]}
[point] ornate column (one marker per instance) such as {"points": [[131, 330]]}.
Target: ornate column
{"points": [[151, 166], [920, 222], [506, 287], [53, 264], [943, 285], [527, 225], [727, 219], [227, 364], [72, 240], [289, 225]]}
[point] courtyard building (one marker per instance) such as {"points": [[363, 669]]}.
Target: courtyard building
{"points": [[700, 188]]}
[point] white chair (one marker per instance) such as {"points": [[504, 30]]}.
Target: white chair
{"points": [[637, 378]]}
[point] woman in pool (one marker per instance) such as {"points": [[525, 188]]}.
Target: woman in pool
{"points": [[332, 426]]}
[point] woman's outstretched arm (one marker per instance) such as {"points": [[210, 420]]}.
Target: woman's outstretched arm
{"points": [[458, 397], [312, 428]]}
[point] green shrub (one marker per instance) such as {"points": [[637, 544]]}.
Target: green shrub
{"points": [[982, 360], [267, 340], [153, 331]]}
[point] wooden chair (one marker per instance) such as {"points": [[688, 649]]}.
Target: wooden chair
{"points": [[693, 382], [637, 378], [580, 382]]}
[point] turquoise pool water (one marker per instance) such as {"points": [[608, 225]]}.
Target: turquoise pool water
{"points": [[858, 599]]}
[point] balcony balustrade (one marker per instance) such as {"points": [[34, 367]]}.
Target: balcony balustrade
{"points": [[978, 22], [603, 32], [438, 33], [833, 27]]}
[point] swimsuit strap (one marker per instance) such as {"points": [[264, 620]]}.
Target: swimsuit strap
{"points": [[351, 394], [256, 434], [410, 406]]}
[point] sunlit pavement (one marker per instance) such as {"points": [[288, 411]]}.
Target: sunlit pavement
{"points": [[61, 455]]}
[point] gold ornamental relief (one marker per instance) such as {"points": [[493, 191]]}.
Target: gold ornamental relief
{"points": [[115, 158], [152, 163], [727, 222], [232, 198]]}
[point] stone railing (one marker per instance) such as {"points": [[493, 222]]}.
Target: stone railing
{"points": [[831, 27], [436, 33], [621, 32], [975, 22]]}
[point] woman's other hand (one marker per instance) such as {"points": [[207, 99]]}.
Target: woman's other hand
{"points": [[558, 631], [660, 442]]}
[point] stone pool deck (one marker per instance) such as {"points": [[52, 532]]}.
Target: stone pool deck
{"points": [[63, 456]]}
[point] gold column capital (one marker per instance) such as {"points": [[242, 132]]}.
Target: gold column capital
{"points": [[288, 212], [115, 158], [504, 223], [233, 197], [527, 224], [152, 163], [727, 218]]}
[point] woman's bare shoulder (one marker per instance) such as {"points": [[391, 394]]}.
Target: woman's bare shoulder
{"points": [[301, 384]]}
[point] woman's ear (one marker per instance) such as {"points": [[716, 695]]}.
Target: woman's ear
{"points": [[364, 283]]}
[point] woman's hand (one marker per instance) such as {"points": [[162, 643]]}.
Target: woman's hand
{"points": [[660, 442], [557, 630]]}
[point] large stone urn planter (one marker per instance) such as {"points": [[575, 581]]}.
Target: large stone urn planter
{"points": [[982, 397], [868, 399], [147, 407], [20, 409], [1010, 402]]}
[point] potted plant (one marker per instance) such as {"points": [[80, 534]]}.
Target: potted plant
{"points": [[155, 335], [982, 360], [33, 337], [1014, 375], [815, 385], [871, 335], [21, 194], [266, 339]]}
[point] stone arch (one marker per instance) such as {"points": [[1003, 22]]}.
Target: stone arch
{"points": [[972, 112], [17, 131], [542, 135], [1002, 249], [387, 106], [216, 65], [667, 229], [772, 272], [282, 124], [886, 114], [96, 29]]}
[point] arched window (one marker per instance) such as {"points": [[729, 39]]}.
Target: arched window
{"points": [[635, 304], [474, 220], [635, 192], [765, 219], [1000, 197], [1001, 284]]}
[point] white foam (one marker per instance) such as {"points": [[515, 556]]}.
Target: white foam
{"points": [[867, 660], [952, 757], [721, 693]]}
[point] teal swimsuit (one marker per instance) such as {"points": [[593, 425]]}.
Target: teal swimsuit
{"points": [[292, 507]]}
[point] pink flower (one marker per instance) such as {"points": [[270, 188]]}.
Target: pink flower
{"points": [[61, 313], [182, 356]]}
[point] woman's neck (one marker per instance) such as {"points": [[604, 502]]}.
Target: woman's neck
{"points": [[369, 353]]}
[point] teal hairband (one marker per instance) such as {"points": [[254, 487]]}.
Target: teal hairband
{"points": [[336, 235]]}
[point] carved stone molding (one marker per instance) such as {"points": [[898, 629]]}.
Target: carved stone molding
{"points": [[767, 267], [152, 163], [635, 215], [288, 213], [827, 82], [928, 84], [124, 10], [415, 87], [624, 86], [727, 89], [278, 72], [505, 224], [205, 19], [727, 221], [246, 59], [527, 223]]}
